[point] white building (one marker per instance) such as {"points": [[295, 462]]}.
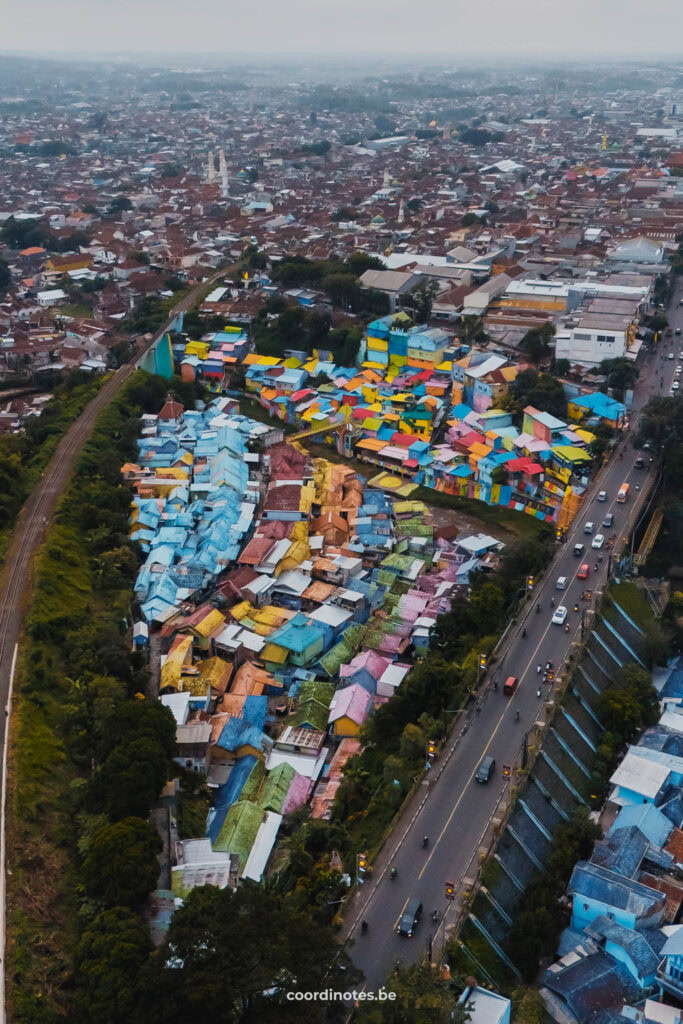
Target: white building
{"points": [[52, 297]]}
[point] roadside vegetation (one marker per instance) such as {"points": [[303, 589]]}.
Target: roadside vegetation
{"points": [[23, 457], [89, 757]]}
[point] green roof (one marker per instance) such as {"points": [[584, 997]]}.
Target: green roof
{"points": [[315, 697], [239, 830], [274, 793], [254, 781]]}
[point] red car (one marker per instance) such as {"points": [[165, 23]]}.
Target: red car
{"points": [[584, 572]]}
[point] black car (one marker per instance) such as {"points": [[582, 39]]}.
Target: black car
{"points": [[485, 770], [410, 918]]}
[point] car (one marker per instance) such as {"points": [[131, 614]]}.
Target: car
{"points": [[680, 355], [561, 583], [678, 371], [608, 521], [671, 355], [579, 550], [510, 685], [678, 331], [410, 918], [639, 463], [584, 572], [559, 615], [675, 386], [589, 527], [485, 770], [647, 447], [598, 541], [602, 496]]}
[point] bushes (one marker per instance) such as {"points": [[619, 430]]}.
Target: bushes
{"points": [[75, 711], [23, 457]]}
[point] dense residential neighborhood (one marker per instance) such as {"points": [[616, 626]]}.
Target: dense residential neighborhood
{"points": [[342, 459]]}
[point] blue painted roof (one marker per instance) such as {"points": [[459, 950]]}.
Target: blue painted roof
{"points": [[654, 825], [597, 883], [637, 945]]}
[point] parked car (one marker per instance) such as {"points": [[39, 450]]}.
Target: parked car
{"points": [[485, 770], [598, 541], [602, 496], [410, 918], [608, 521], [584, 572], [559, 615]]}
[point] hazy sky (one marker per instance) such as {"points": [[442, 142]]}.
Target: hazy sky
{"points": [[547, 27]]}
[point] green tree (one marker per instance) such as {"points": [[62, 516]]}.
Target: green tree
{"points": [[342, 289], [413, 743], [203, 974], [421, 299], [536, 342], [5, 277], [423, 996], [130, 779], [121, 868], [108, 959], [469, 220]]}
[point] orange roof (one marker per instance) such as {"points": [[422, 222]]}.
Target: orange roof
{"points": [[32, 250]]}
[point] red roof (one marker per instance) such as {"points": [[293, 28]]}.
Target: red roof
{"points": [[403, 440], [171, 410]]}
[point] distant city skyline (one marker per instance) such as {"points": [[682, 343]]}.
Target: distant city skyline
{"points": [[545, 28]]}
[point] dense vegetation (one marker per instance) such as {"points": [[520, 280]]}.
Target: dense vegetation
{"points": [[90, 758], [337, 278], [304, 330], [24, 456]]}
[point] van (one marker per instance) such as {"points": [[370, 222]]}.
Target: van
{"points": [[410, 918], [579, 550], [485, 770], [561, 583], [510, 685], [589, 527]]}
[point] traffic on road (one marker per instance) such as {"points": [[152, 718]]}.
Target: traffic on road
{"points": [[457, 808]]}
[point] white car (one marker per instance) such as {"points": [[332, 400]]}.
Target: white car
{"points": [[559, 615], [598, 541], [671, 355], [602, 496]]}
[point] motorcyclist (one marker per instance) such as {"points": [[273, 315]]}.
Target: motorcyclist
{"points": [[523, 632], [538, 670], [425, 840], [516, 714], [364, 927]]}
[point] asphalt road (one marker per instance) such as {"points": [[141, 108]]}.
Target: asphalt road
{"points": [[456, 813], [15, 579]]}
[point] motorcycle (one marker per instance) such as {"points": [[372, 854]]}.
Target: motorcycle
{"points": [[435, 916], [576, 607], [523, 633], [425, 840], [566, 629], [393, 874], [516, 714]]}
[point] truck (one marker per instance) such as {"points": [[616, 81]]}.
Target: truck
{"points": [[623, 492]]}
